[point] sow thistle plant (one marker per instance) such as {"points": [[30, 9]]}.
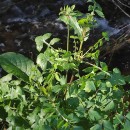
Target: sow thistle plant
{"points": [[56, 93]]}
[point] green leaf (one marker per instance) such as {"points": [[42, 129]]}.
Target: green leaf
{"points": [[128, 116], [16, 121], [39, 43], [72, 21], [56, 88], [32, 116], [73, 118], [63, 80], [108, 84], [46, 36], [118, 119], [127, 78], [100, 13], [73, 102], [96, 127], [103, 66], [64, 19], [117, 78], [105, 35], [40, 40], [17, 64], [107, 125], [54, 40], [90, 86], [127, 125], [109, 106], [42, 60], [57, 76], [75, 25], [94, 115], [6, 78]]}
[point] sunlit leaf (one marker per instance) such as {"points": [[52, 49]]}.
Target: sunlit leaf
{"points": [[109, 106], [54, 40], [89, 86]]}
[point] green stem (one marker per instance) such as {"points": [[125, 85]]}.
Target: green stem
{"points": [[98, 68], [68, 40], [80, 48], [68, 37]]}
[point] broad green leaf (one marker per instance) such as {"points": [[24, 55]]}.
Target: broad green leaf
{"points": [[107, 125], [100, 75], [73, 102], [40, 40], [46, 36], [118, 119], [54, 40], [39, 43], [6, 78], [73, 118], [56, 88], [108, 84], [117, 78], [128, 116], [90, 86], [42, 60], [17, 64], [80, 112], [64, 19], [72, 21], [96, 127], [109, 106], [94, 115], [103, 66], [127, 125]]}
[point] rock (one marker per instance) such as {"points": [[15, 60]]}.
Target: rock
{"points": [[30, 10], [103, 25], [45, 11], [71, 2], [16, 11], [5, 6]]}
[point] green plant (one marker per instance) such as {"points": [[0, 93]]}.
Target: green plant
{"points": [[54, 94]]}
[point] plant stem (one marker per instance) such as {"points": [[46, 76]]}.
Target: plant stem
{"points": [[97, 68], [71, 79], [68, 40], [68, 37], [80, 48]]}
